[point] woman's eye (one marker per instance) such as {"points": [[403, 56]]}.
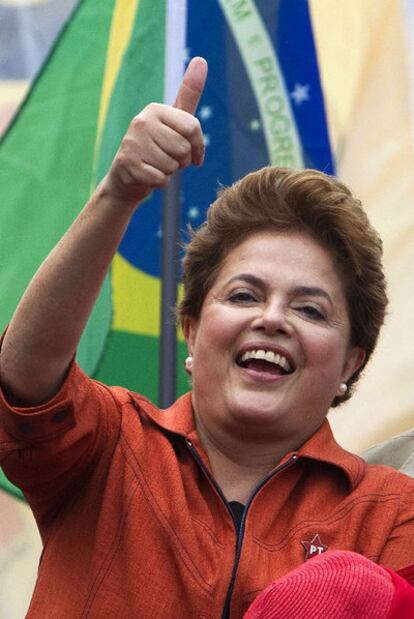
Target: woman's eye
{"points": [[312, 312], [242, 296]]}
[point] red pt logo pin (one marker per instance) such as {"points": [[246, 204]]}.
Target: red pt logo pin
{"points": [[314, 547]]}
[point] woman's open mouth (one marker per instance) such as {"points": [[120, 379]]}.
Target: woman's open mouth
{"points": [[265, 361]]}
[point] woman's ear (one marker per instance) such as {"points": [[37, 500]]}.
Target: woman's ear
{"points": [[189, 331], [354, 360]]}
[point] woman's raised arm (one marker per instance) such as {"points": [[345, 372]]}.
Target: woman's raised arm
{"points": [[45, 330]]}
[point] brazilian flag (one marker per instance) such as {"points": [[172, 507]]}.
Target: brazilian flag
{"points": [[263, 104]]}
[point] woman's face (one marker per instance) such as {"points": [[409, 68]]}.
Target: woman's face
{"points": [[272, 344]]}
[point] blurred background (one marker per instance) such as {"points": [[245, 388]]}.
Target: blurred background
{"points": [[306, 83]]}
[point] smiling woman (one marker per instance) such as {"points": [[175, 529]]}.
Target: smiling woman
{"points": [[277, 303], [315, 205], [194, 510]]}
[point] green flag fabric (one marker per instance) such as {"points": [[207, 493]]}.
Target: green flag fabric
{"points": [[105, 66]]}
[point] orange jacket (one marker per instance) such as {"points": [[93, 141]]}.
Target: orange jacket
{"points": [[133, 524]]}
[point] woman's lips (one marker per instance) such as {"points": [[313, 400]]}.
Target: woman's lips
{"points": [[260, 370]]}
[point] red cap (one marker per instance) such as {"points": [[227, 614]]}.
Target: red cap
{"points": [[338, 585]]}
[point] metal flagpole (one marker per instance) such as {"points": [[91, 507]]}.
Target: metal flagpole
{"points": [[169, 283], [176, 24]]}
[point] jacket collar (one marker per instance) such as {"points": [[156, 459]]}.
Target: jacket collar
{"points": [[321, 446], [178, 418]]}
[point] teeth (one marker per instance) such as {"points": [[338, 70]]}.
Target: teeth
{"points": [[267, 355]]}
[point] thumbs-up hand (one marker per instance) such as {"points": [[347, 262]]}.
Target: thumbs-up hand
{"points": [[160, 140]]}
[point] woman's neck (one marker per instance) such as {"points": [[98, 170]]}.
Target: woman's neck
{"points": [[239, 465]]}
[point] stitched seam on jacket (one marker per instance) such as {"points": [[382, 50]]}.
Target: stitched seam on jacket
{"points": [[342, 513], [107, 561], [106, 564], [159, 515], [206, 528]]}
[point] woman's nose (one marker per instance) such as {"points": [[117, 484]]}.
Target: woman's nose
{"points": [[273, 319]]}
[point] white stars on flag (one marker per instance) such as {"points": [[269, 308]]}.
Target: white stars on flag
{"points": [[205, 112], [255, 124], [193, 212], [300, 93]]}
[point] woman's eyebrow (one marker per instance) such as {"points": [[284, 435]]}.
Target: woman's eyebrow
{"points": [[249, 278], [311, 291]]}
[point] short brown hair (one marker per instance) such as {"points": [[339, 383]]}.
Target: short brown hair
{"points": [[306, 200]]}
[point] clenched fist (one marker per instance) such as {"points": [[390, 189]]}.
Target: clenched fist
{"points": [[160, 140]]}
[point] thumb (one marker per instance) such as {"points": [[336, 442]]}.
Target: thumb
{"points": [[192, 86]]}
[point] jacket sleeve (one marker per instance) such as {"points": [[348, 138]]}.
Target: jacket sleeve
{"points": [[48, 451]]}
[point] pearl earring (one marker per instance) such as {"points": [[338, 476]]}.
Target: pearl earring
{"points": [[188, 363], [343, 388]]}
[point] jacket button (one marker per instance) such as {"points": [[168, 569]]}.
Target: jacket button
{"points": [[59, 416]]}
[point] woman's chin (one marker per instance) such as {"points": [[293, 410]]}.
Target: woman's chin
{"points": [[257, 409]]}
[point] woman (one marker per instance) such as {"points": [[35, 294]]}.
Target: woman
{"points": [[193, 511]]}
